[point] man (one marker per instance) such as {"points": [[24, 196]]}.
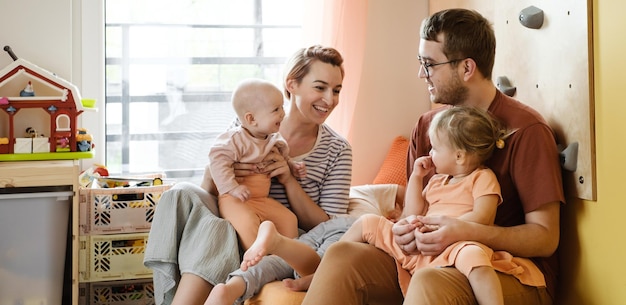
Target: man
{"points": [[457, 51]]}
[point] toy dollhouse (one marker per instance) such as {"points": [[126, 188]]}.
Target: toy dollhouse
{"points": [[38, 115]]}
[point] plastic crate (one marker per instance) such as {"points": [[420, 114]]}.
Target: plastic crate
{"points": [[112, 257], [127, 292], [118, 210]]}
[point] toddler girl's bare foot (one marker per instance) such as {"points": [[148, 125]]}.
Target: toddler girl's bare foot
{"points": [[221, 295], [301, 284], [265, 243]]}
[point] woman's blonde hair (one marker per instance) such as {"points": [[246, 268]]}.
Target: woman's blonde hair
{"points": [[470, 129], [299, 65]]}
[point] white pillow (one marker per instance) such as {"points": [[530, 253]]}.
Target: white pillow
{"points": [[377, 199]]}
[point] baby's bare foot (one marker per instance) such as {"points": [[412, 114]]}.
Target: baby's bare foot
{"points": [[265, 243]]}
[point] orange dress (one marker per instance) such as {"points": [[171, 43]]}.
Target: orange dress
{"points": [[452, 200]]}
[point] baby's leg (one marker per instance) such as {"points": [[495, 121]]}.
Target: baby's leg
{"points": [[228, 293], [302, 258], [367, 228], [475, 262], [355, 232], [486, 286]]}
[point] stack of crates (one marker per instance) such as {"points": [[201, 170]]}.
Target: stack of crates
{"points": [[114, 227]]}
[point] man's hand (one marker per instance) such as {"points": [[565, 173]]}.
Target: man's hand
{"points": [[403, 234], [439, 232]]}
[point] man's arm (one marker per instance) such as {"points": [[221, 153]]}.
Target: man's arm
{"points": [[538, 237]]}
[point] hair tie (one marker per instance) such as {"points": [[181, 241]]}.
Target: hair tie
{"points": [[500, 143]]}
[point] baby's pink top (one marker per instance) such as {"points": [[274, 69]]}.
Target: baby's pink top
{"points": [[237, 145]]}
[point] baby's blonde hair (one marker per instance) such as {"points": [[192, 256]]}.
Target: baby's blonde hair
{"points": [[470, 129]]}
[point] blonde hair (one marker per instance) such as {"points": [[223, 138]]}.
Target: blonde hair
{"points": [[299, 65], [470, 129]]}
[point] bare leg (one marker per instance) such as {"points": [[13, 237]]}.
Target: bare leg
{"points": [[355, 232], [486, 286], [191, 290], [301, 284], [302, 258], [227, 294]]}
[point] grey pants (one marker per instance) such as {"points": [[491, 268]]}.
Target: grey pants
{"points": [[272, 268], [187, 236]]}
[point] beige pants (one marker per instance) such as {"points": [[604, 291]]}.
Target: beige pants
{"points": [[357, 273]]}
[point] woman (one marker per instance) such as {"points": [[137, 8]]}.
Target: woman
{"points": [[190, 249]]}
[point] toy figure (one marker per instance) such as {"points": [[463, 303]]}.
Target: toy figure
{"points": [[31, 132], [28, 90], [83, 140]]}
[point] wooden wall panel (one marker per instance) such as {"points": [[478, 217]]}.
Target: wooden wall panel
{"points": [[551, 67]]}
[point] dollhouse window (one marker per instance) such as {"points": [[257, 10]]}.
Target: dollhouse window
{"points": [[63, 122], [171, 68]]}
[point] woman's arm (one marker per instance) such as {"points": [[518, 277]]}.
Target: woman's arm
{"points": [[308, 212], [326, 188]]}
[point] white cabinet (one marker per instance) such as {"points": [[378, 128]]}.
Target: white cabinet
{"points": [[39, 175]]}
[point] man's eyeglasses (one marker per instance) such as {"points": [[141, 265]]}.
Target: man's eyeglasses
{"points": [[426, 65]]}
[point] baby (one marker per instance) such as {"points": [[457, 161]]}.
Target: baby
{"points": [[244, 201]]}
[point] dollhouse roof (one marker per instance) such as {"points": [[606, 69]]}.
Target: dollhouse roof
{"points": [[47, 85]]}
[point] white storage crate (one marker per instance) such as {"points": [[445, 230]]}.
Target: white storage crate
{"points": [[112, 257], [118, 210], [126, 292]]}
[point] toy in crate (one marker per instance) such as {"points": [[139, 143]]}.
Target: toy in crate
{"points": [[128, 209], [112, 257], [125, 292]]}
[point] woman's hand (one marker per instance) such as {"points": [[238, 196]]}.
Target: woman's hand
{"points": [[245, 169], [275, 165]]}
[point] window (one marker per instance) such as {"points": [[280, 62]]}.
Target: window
{"points": [[171, 67]]}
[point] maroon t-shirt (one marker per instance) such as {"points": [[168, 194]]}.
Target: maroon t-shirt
{"points": [[527, 168]]}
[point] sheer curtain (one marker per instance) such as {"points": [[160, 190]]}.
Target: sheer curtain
{"points": [[340, 24]]}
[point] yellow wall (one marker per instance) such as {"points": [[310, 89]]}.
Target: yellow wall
{"points": [[593, 246]]}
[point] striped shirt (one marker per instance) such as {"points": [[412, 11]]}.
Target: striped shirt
{"points": [[328, 173]]}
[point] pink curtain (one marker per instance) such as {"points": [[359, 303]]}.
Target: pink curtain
{"points": [[340, 24]]}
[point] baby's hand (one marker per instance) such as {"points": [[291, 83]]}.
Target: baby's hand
{"points": [[241, 191], [424, 228], [422, 166], [298, 169]]}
